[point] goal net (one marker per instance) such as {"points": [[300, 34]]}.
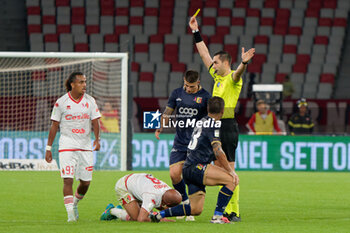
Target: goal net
{"points": [[30, 83]]}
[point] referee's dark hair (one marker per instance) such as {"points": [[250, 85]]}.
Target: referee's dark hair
{"points": [[191, 76], [224, 56], [71, 79], [215, 105]]}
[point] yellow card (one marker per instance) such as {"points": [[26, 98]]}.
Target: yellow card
{"points": [[195, 14]]}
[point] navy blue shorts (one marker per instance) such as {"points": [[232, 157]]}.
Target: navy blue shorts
{"points": [[193, 176], [177, 156]]}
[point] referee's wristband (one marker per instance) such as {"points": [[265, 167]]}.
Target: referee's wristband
{"points": [[48, 148], [197, 36]]}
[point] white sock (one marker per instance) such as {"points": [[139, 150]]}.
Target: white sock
{"points": [[75, 200], [68, 203], [120, 213], [69, 207], [77, 197]]}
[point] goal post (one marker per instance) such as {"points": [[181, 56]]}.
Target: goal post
{"points": [[31, 82]]}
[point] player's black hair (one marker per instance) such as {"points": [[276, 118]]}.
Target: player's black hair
{"points": [[215, 105], [71, 79], [191, 76], [224, 56]]}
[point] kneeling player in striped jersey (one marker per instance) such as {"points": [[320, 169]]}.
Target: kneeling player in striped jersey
{"points": [[139, 194]]}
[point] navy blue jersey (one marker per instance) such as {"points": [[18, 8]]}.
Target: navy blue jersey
{"points": [[188, 107], [200, 148]]}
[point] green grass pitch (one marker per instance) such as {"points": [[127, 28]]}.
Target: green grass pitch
{"points": [[270, 202]]}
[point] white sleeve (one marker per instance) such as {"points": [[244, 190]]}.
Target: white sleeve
{"points": [[148, 201], [56, 112], [95, 112]]}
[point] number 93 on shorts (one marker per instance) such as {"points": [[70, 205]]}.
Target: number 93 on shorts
{"points": [[76, 163]]}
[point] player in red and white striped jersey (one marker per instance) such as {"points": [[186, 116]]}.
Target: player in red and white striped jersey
{"points": [[73, 113], [139, 194]]}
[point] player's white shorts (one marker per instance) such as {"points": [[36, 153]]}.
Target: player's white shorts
{"points": [[76, 163], [123, 196]]}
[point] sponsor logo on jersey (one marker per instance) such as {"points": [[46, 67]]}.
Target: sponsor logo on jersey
{"points": [[219, 84], [178, 99], [86, 105], [151, 120], [198, 100], [68, 107], [217, 133], [201, 166], [70, 117], [188, 111], [80, 131], [89, 168], [160, 186], [173, 150]]}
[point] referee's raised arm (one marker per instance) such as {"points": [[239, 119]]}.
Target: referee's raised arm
{"points": [[246, 57], [202, 48]]}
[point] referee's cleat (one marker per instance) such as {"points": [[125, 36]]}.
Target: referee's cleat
{"points": [[232, 217], [106, 215], [155, 217], [219, 219]]}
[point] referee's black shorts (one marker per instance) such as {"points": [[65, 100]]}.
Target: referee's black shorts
{"points": [[229, 137]]}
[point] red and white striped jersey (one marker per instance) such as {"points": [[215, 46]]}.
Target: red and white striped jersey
{"points": [[75, 121], [146, 188]]}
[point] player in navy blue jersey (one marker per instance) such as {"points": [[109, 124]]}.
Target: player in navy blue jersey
{"points": [[198, 172], [190, 102]]}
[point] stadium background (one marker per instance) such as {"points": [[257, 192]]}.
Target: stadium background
{"points": [[306, 39]]}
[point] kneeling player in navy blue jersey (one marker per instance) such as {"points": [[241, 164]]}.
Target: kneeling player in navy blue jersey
{"points": [[190, 102], [198, 171]]}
